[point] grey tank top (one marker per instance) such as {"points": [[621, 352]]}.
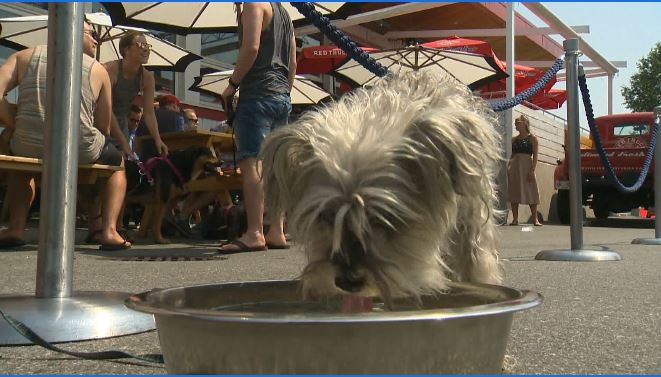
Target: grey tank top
{"points": [[28, 138], [123, 93], [270, 71]]}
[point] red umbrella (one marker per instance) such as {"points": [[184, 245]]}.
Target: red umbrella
{"points": [[549, 100], [468, 60], [325, 58], [322, 59], [456, 43], [524, 78]]}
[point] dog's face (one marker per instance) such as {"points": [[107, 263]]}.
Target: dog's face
{"points": [[204, 162], [389, 191]]}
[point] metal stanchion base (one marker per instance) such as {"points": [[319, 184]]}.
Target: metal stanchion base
{"points": [[646, 241], [84, 316], [578, 255]]}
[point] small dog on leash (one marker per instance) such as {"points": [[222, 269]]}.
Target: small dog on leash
{"points": [[390, 190]]}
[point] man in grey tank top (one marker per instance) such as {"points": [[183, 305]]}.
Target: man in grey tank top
{"points": [[26, 70], [264, 71]]}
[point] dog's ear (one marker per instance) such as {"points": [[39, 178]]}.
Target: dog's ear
{"points": [[456, 147], [287, 157]]}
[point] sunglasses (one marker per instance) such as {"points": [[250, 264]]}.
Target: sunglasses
{"points": [[193, 120], [143, 45], [134, 120]]}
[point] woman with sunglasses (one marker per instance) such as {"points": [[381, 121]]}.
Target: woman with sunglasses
{"points": [[129, 78]]}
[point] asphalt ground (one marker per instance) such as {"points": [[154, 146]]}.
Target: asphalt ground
{"points": [[597, 317]]}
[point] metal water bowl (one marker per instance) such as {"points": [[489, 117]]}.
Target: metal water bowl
{"points": [[263, 327]]}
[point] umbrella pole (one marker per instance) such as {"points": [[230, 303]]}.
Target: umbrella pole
{"points": [[56, 313]]}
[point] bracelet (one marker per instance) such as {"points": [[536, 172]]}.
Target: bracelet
{"points": [[232, 84]]}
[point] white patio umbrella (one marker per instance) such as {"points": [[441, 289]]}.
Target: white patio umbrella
{"points": [[304, 91], [472, 70], [198, 17], [30, 31]]}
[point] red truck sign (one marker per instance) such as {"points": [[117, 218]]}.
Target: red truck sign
{"points": [[625, 138]]}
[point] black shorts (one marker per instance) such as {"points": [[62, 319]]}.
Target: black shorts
{"points": [[110, 155]]}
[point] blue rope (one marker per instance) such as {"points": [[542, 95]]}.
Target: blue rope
{"points": [[356, 53], [589, 112], [536, 87], [340, 39]]}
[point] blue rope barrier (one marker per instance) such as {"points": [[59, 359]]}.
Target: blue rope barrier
{"points": [[610, 174], [340, 39], [536, 87], [358, 54]]}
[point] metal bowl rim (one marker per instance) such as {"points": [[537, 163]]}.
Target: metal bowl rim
{"points": [[524, 300]]}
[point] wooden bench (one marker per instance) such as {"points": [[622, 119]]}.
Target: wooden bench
{"points": [[215, 183], [87, 173]]}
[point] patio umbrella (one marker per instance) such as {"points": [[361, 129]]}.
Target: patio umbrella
{"points": [[470, 69], [199, 17], [549, 100], [524, 78], [304, 92], [30, 31], [322, 59]]}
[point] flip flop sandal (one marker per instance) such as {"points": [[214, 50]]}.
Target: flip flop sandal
{"points": [[115, 247], [272, 246], [124, 233], [10, 243], [242, 247]]}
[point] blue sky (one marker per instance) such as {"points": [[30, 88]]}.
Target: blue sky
{"points": [[618, 31]]}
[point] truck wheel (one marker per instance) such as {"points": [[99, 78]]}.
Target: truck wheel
{"points": [[563, 206]]}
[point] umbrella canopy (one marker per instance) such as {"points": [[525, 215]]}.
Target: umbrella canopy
{"points": [[456, 43], [198, 17], [325, 58], [470, 69], [304, 92], [322, 59], [24, 32], [549, 100], [524, 78]]}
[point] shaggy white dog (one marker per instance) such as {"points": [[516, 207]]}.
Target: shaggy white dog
{"points": [[389, 191]]}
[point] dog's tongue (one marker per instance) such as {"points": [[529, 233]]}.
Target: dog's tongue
{"points": [[356, 304]]}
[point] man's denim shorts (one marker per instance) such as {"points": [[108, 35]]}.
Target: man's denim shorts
{"points": [[257, 117]]}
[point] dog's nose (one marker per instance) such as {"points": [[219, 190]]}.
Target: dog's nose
{"points": [[350, 283]]}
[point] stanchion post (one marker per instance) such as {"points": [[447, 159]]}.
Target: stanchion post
{"points": [[574, 137], [577, 253], [657, 189]]}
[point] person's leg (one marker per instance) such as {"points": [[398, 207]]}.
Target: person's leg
{"points": [[253, 196], [515, 213], [112, 202], [252, 122], [275, 237], [112, 198], [20, 194], [533, 212]]}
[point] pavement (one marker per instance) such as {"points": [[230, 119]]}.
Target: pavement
{"points": [[597, 317]]}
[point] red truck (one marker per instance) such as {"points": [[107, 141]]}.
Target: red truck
{"points": [[625, 138]]}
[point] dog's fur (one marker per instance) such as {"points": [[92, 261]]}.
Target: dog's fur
{"points": [[390, 190], [192, 163]]}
